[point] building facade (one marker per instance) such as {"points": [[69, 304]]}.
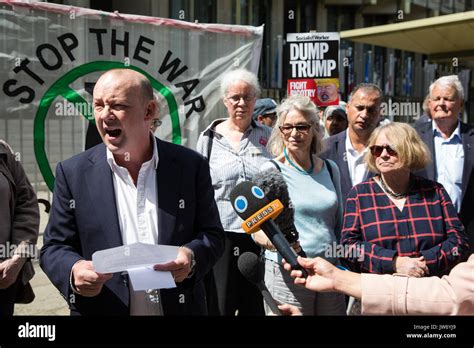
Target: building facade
{"points": [[404, 76]]}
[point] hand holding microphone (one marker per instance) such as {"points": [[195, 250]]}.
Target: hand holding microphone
{"points": [[251, 204]]}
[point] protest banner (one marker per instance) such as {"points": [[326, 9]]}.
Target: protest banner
{"points": [[51, 56]]}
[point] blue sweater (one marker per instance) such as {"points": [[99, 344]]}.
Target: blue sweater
{"points": [[318, 208]]}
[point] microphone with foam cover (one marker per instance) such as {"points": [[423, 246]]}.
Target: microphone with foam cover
{"points": [[252, 270], [251, 204], [274, 186]]}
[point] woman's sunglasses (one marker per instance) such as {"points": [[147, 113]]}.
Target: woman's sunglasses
{"points": [[376, 150], [300, 128]]}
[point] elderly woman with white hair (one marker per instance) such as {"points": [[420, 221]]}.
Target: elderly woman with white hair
{"points": [[235, 148], [315, 193]]}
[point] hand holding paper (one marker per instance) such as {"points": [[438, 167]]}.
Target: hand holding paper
{"points": [[145, 278], [138, 259], [135, 255], [180, 267], [88, 282]]}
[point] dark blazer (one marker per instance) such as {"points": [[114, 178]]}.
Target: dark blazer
{"points": [[19, 218], [84, 219], [425, 131], [335, 149]]}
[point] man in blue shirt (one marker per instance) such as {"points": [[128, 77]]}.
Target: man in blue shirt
{"points": [[451, 143]]}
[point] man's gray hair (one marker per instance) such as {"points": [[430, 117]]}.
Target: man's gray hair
{"points": [[449, 81], [243, 75]]}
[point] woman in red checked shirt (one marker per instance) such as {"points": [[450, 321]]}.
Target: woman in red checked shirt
{"points": [[401, 223]]}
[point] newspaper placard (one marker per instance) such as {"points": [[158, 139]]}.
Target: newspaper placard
{"points": [[313, 61]]}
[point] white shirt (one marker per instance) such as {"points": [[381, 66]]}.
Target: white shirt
{"points": [[449, 155], [358, 170], [138, 219]]}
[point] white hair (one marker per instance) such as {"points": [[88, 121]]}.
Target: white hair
{"points": [[243, 75], [449, 81]]}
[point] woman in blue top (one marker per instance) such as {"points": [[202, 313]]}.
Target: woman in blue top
{"points": [[314, 190]]}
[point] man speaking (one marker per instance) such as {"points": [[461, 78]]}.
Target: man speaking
{"points": [[132, 188]]}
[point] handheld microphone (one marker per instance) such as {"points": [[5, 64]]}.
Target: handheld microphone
{"points": [[251, 204], [272, 183], [251, 269]]}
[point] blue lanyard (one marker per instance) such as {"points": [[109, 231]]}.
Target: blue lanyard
{"points": [[306, 172]]}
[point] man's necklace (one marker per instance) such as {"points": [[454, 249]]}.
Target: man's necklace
{"points": [[301, 170], [390, 192]]}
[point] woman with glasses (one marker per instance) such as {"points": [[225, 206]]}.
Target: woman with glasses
{"points": [[314, 190], [235, 148], [400, 222]]}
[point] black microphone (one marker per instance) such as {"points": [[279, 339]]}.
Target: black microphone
{"points": [[272, 183], [251, 204], [252, 270]]}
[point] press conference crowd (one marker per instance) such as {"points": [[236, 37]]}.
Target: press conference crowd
{"points": [[397, 199]]}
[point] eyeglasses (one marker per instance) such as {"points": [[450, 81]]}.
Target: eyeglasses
{"points": [[300, 128], [376, 150], [235, 99]]}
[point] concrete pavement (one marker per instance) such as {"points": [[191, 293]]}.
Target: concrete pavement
{"points": [[48, 301]]}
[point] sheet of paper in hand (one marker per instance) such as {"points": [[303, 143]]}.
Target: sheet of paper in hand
{"points": [[130, 256]]}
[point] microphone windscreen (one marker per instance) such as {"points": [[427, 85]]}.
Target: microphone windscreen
{"points": [[253, 271], [247, 198], [274, 185], [249, 266], [271, 181]]}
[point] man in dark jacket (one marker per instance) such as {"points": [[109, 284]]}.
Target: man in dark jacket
{"points": [[451, 143], [348, 148], [133, 188]]}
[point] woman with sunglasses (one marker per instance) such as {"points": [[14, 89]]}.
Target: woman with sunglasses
{"points": [[315, 193], [402, 223]]}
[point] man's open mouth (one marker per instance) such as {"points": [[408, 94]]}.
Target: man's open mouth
{"points": [[113, 133]]}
